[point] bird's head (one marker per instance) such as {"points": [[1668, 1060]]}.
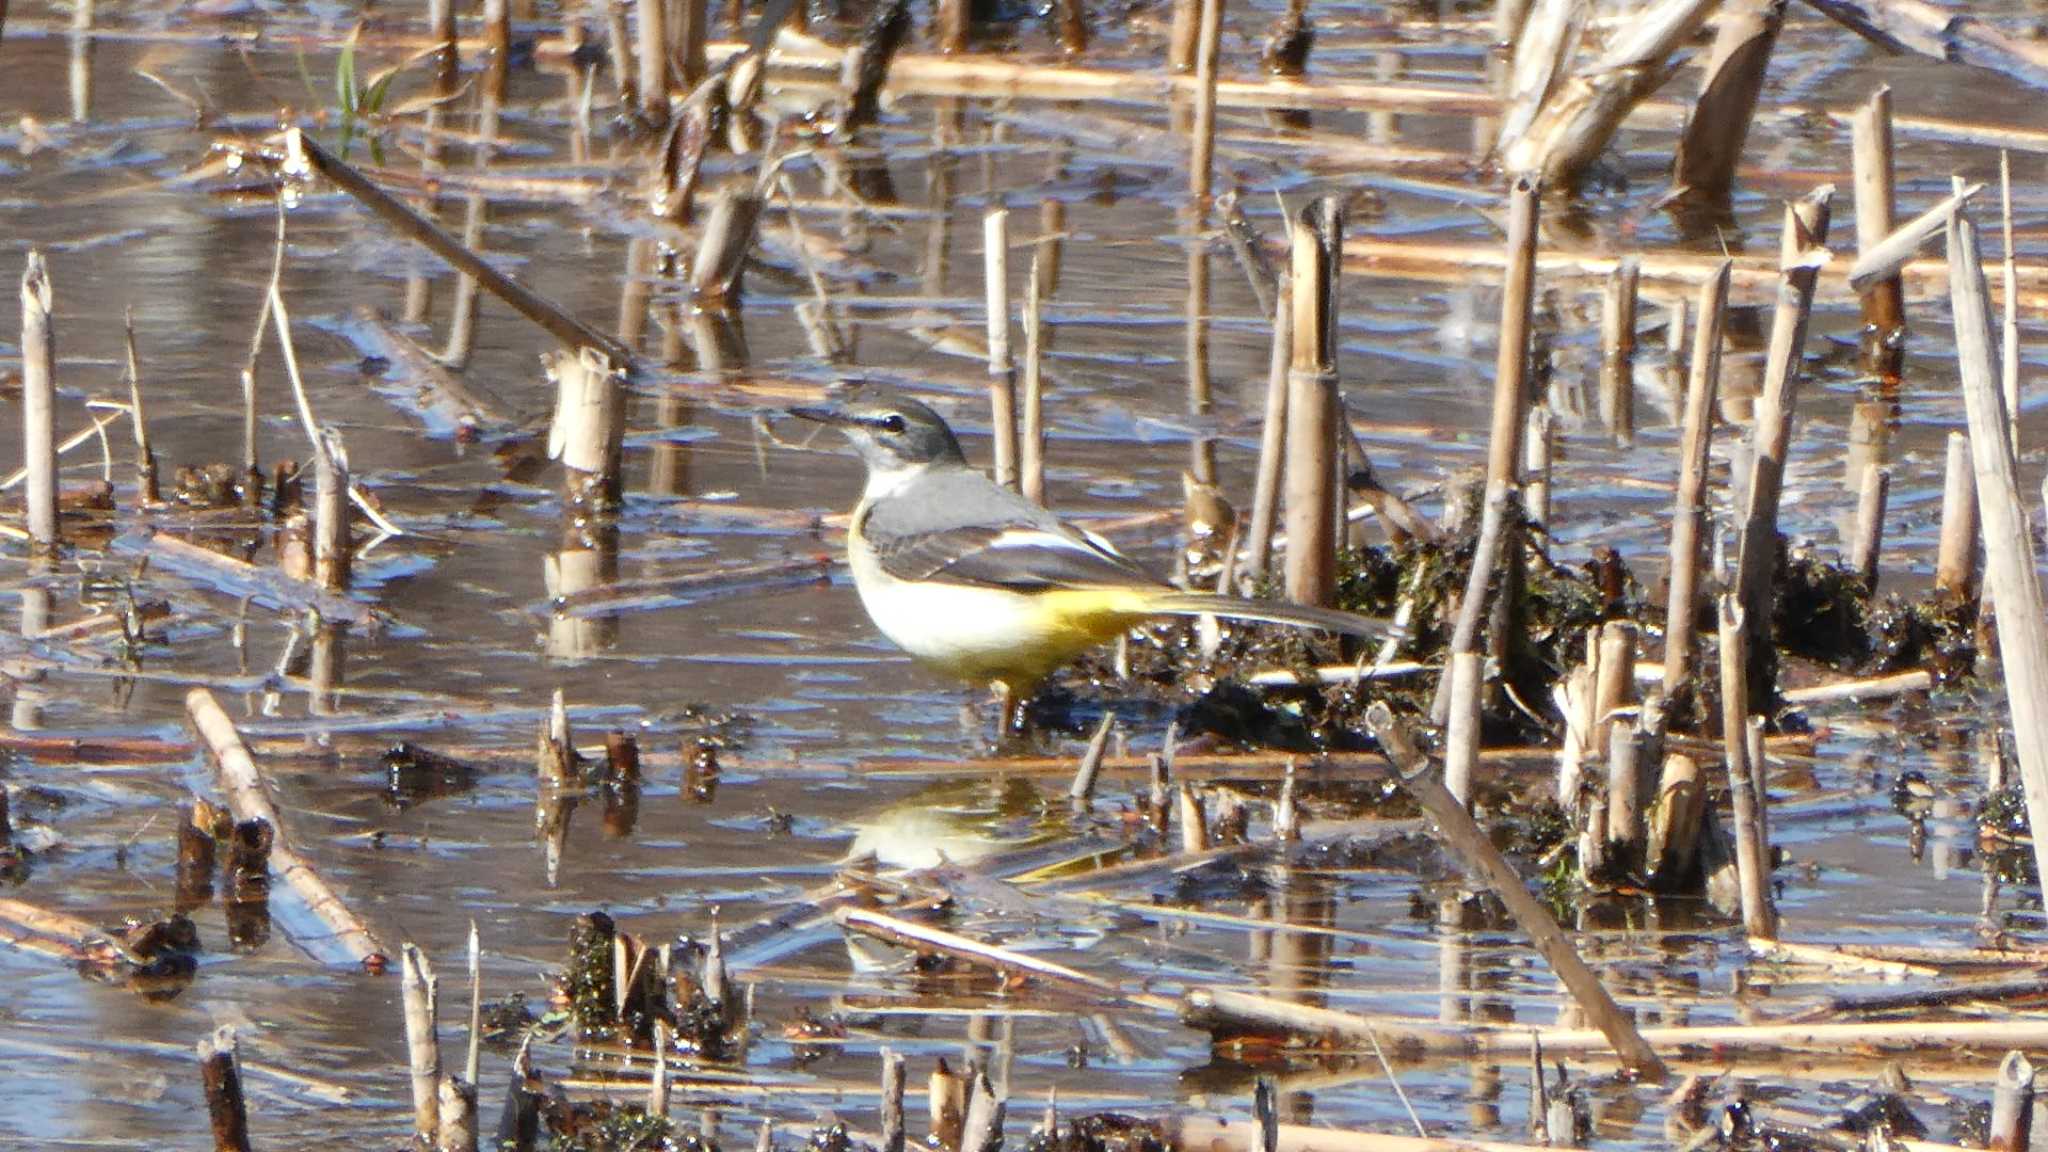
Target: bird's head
{"points": [[891, 432]]}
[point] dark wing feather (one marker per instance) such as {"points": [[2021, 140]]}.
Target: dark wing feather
{"points": [[1023, 558], [961, 528]]}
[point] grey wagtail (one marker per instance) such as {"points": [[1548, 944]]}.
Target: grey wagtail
{"points": [[973, 579]]}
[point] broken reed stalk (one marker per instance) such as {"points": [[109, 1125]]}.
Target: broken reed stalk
{"points": [[1581, 108], [1618, 349], [1802, 253], [220, 1071], [1868, 538], [145, 456], [722, 252], [588, 431], [691, 32], [331, 549], [306, 155], [1689, 518], [1031, 442], [2010, 577], [243, 785], [1537, 450], [1272, 441], [39, 403], [1711, 144], [1082, 791], [1504, 443], [1888, 256], [1200, 168], [951, 22], [1752, 855], [1183, 37], [2012, 1105], [457, 1131], [981, 1129], [1884, 302], [1310, 479], [1955, 558], [894, 1079], [1002, 371], [653, 60], [421, 992], [2009, 358], [1478, 854], [1461, 736]]}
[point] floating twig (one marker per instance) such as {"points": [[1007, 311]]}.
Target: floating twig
{"points": [[243, 785]]}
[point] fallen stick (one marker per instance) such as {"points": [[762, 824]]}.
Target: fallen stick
{"points": [[1925, 279], [1478, 854], [266, 586], [1883, 258], [243, 786], [60, 937], [304, 155], [1870, 688], [919, 937]]}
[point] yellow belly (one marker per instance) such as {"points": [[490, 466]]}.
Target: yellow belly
{"points": [[992, 634]]}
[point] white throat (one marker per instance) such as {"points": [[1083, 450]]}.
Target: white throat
{"points": [[889, 481]]}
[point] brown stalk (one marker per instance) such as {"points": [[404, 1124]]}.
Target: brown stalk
{"points": [[220, 1072], [1617, 351], [1031, 444], [1504, 442], [1752, 853], [39, 403], [894, 1137], [1456, 828], [1461, 736], [2010, 577], [420, 991], [145, 456], [1884, 303], [1955, 564], [331, 550], [2012, 1105], [1716, 128], [1582, 111], [1309, 478], [1806, 233], [653, 60], [1868, 538], [309, 155], [1002, 369], [1209, 44], [1688, 519], [243, 785], [1272, 441]]}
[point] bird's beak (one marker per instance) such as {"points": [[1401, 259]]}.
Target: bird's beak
{"points": [[824, 414]]}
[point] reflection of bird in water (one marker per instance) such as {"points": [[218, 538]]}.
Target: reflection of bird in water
{"points": [[971, 578], [955, 822]]}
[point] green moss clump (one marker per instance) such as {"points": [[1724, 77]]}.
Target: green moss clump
{"points": [[587, 982], [603, 1126], [1822, 612], [1102, 1132]]}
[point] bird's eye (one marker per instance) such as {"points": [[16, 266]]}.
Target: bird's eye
{"points": [[894, 423]]}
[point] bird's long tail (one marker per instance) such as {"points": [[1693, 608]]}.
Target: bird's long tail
{"points": [[1265, 611]]}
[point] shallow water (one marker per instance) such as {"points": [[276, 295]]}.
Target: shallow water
{"points": [[95, 180]]}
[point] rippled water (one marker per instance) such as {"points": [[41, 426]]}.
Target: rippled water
{"points": [[94, 175]]}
